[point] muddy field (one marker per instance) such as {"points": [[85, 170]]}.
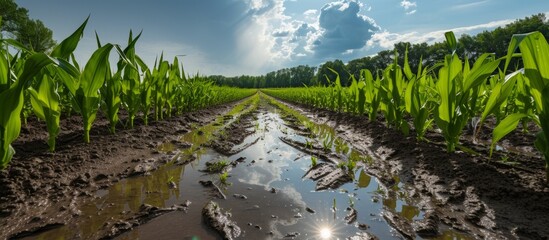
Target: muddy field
{"points": [[263, 169]]}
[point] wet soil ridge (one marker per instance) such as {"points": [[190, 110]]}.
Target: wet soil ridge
{"points": [[145, 214], [501, 198], [214, 217], [37, 188], [328, 176], [226, 139]]}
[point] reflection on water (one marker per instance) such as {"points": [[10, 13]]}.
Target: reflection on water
{"points": [[294, 210]]}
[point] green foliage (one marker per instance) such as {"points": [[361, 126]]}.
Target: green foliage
{"points": [[535, 56], [45, 103], [218, 166], [58, 88], [87, 97], [314, 161], [11, 98], [451, 93], [30, 33], [458, 87], [223, 177]]}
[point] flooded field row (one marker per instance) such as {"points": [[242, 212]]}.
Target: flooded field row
{"points": [[262, 171]]}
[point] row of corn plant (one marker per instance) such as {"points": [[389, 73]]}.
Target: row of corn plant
{"points": [[451, 94], [50, 86]]}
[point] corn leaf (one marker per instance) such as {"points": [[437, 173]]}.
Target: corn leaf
{"points": [[506, 126], [67, 46], [12, 103]]}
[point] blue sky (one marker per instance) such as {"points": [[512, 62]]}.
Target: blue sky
{"points": [[235, 37]]}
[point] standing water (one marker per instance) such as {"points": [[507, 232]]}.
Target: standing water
{"points": [[267, 184]]}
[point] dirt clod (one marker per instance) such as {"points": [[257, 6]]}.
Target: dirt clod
{"points": [[220, 222]]}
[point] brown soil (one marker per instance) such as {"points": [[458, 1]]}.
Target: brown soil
{"points": [[39, 189], [487, 198]]}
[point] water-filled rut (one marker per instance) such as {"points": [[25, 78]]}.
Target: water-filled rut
{"points": [[271, 172]]}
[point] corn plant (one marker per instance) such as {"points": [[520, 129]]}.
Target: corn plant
{"points": [[500, 92], [535, 56], [45, 103], [392, 94], [111, 92], [95, 73], [113, 87], [131, 80], [418, 99], [11, 97], [458, 90], [371, 88]]}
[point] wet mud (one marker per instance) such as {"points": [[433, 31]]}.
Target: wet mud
{"points": [[263, 169], [498, 198]]}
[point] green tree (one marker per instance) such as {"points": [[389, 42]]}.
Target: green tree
{"points": [[31, 33], [324, 74], [12, 16]]}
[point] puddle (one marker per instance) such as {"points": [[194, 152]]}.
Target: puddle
{"points": [[269, 163]]}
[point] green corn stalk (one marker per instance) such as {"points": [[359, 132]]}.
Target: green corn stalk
{"points": [[458, 88], [45, 103], [131, 81], [11, 98], [87, 97], [371, 88], [392, 93], [158, 90], [112, 90], [131, 98], [113, 87], [499, 95], [418, 102], [535, 56], [146, 95]]}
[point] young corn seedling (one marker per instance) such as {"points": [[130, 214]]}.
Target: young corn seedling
{"points": [[458, 89], [45, 103], [131, 81], [371, 88], [223, 177], [113, 88], [11, 97], [392, 95], [535, 56], [418, 100], [314, 161], [87, 97]]}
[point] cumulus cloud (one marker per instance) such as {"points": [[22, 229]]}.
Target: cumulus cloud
{"points": [[341, 29], [409, 6]]}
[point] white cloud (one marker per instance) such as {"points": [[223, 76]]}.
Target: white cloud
{"points": [[469, 5], [387, 40], [411, 12], [409, 7], [407, 4], [342, 28], [311, 14], [337, 30]]}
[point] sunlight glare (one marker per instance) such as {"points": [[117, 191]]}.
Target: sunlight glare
{"points": [[325, 233]]}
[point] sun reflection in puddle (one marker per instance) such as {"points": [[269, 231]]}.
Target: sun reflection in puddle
{"points": [[325, 233]]}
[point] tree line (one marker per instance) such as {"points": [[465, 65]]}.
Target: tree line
{"points": [[470, 47]]}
